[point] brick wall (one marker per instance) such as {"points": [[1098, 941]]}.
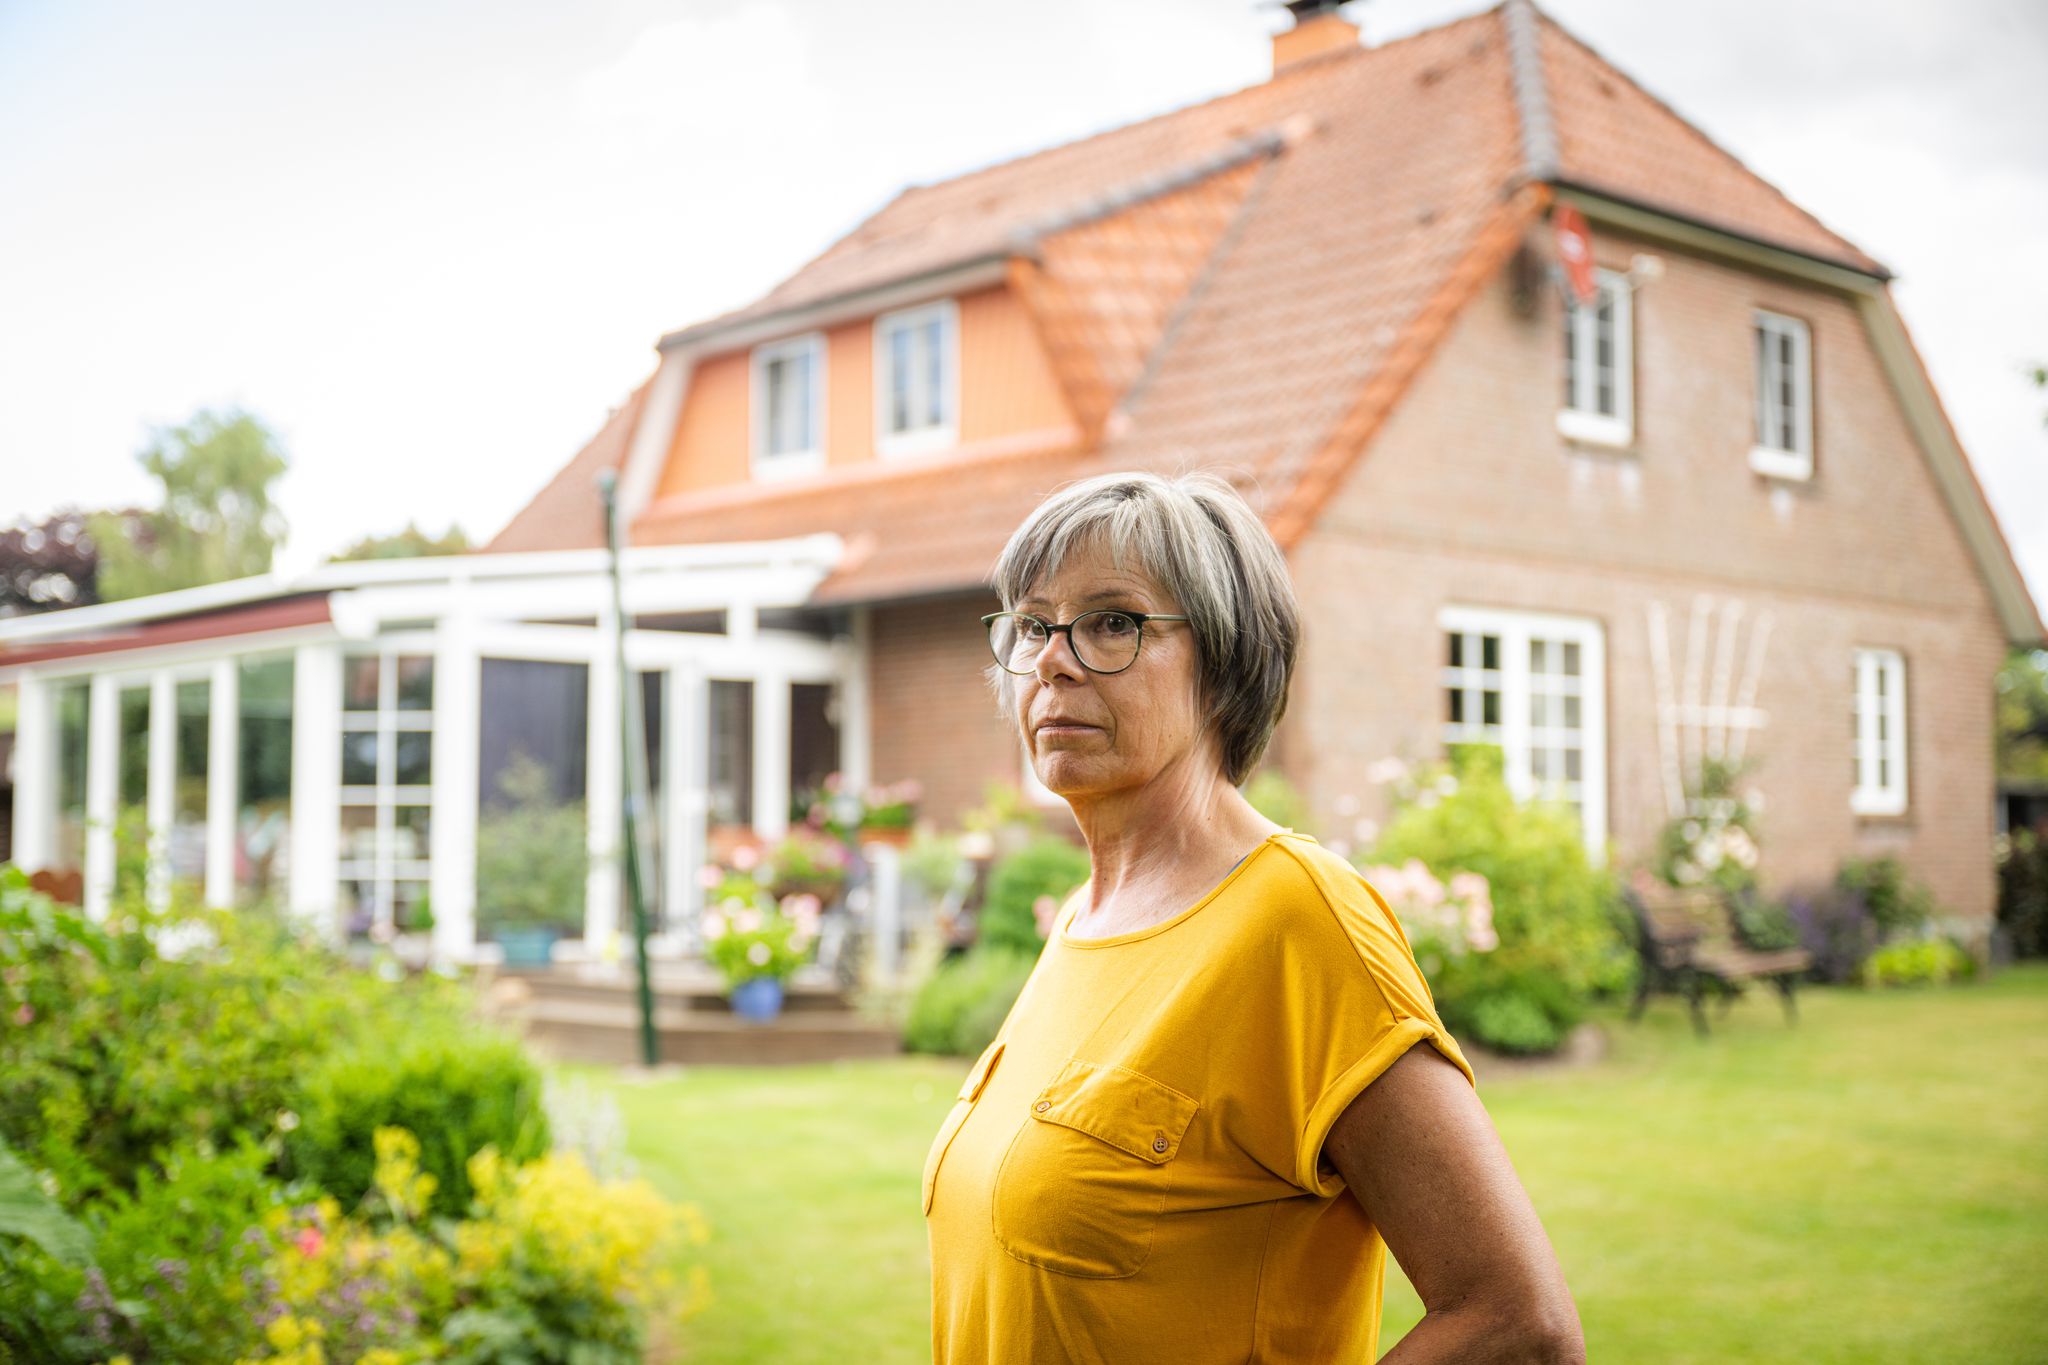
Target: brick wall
{"points": [[1470, 496], [933, 717]]}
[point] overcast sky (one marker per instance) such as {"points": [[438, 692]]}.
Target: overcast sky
{"points": [[433, 243]]}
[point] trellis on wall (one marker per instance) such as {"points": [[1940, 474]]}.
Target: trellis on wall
{"points": [[1704, 711]]}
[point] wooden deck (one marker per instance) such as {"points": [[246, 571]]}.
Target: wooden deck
{"points": [[591, 1014]]}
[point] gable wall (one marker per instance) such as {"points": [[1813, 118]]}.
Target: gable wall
{"points": [[1470, 496]]}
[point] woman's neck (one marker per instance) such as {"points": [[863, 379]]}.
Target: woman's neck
{"points": [[1154, 843]]}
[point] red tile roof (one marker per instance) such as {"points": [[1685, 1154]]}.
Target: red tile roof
{"points": [[1246, 283], [568, 514]]}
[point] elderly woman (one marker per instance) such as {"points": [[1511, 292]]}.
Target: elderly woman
{"points": [[1205, 1120]]}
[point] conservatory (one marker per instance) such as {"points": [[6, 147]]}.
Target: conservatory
{"points": [[369, 745]]}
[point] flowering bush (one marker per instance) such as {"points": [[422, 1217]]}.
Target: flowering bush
{"points": [[1920, 961], [1714, 844], [1443, 922], [750, 937], [552, 1265], [1551, 907], [841, 812]]}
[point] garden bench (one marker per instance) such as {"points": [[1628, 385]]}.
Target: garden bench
{"points": [[1685, 941]]}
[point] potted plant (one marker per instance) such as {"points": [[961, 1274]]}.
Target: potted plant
{"points": [[806, 865], [532, 859], [889, 812], [755, 940]]}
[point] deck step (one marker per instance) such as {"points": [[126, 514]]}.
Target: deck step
{"points": [[609, 1031]]}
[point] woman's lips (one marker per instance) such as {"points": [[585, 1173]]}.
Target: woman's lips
{"points": [[1065, 729]]}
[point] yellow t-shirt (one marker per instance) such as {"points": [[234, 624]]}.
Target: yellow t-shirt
{"points": [[1133, 1170]]}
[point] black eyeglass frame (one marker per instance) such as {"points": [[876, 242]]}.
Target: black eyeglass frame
{"points": [[1139, 617]]}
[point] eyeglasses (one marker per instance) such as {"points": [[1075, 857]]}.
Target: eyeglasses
{"points": [[1104, 641]]}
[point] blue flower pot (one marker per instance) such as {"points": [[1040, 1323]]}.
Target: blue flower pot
{"points": [[758, 998], [527, 947]]}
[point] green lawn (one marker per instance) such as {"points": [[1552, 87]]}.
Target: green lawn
{"points": [[1870, 1186]]}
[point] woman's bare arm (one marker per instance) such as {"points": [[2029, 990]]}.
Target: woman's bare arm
{"points": [[1420, 1154]]}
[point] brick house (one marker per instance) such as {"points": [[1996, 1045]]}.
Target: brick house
{"points": [[1709, 506]]}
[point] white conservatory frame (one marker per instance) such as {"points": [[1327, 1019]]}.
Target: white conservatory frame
{"points": [[459, 610]]}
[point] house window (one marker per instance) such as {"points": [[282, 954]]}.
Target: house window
{"points": [[1599, 365], [1784, 397], [1532, 684], [789, 407], [916, 391], [387, 749], [1878, 733]]}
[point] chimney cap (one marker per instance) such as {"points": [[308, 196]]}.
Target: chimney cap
{"points": [[1303, 10]]}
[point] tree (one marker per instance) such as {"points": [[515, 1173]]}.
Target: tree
{"points": [[217, 520], [407, 544], [2023, 715], [48, 565]]}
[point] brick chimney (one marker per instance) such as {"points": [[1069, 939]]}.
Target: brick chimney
{"points": [[1318, 29]]}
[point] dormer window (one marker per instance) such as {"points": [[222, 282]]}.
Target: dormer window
{"points": [[789, 407], [1784, 397], [916, 379], [1599, 365]]}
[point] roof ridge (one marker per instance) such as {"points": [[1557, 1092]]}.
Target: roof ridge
{"points": [[1702, 136]]}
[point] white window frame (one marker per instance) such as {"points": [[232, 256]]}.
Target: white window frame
{"points": [[944, 434], [788, 463], [1515, 729], [1580, 419], [1880, 680], [1785, 462], [383, 868]]}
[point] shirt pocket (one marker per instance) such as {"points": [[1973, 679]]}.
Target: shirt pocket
{"points": [[1084, 1183], [963, 1104]]}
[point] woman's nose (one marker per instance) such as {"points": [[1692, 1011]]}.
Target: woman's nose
{"points": [[1065, 661]]}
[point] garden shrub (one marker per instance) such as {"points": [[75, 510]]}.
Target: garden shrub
{"points": [[1510, 1021], [153, 1101], [1898, 904], [460, 1092], [2023, 892], [1834, 925], [1046, 866], [1553, 909], [1922, 961], [962, 1004], [113, 1052], [532, 852]]}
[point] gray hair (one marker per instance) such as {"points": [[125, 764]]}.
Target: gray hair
{"points": [[1200, 541]]}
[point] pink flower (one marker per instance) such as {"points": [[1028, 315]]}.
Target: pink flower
{"points": [[713, 925], [309, 1241], [25, 1016], [748, 921], [710, 875], [746, 857]]}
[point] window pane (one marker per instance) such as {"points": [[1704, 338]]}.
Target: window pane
{"points": [[1456, 696], [415, 682], [359, 682], [409, 833], [1489, 704], [732, 752], [188, 796], [414, 758], [534, 713], [264, 776], [359, 758], [1571, 355], [1489, 651], [934, 372], [359, 835], [1455, 643], [73, 702], [899, 379], [134, 772]]}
